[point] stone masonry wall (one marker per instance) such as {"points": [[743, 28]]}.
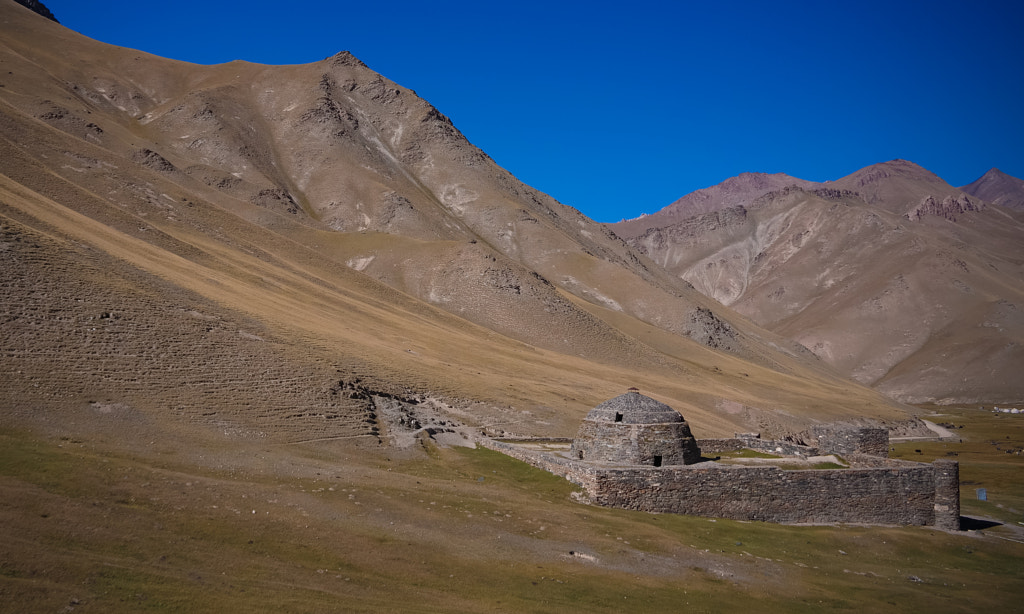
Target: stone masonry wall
{"points": [[947, 494], [635, 444], [776, 446], [717, 446], [889, 496], [891, 493], [754, 442], [843, 439], [831, 439]]}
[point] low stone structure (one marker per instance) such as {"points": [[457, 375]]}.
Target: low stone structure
{"points": [[753, 441], [623, 457], [632, 429], [845, 439], [828, 439], [912, 494]]}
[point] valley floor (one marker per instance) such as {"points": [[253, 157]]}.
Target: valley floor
{"points": [[201, 523]]}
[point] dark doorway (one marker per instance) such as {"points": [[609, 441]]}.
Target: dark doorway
{"points": [[618, 416], [657, 461]]}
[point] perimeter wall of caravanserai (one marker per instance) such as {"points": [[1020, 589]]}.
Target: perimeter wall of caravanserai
{"points": [[879, 491]]}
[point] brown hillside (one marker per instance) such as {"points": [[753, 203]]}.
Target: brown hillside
{"points": [[732, 192], [256, 249], [890, 274], [998, 188]]}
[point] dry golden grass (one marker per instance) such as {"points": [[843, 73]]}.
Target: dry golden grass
{"points": [[203, 524], [504, 301]]}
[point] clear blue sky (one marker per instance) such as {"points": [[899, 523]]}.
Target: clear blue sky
{"points": [[620, 108]]}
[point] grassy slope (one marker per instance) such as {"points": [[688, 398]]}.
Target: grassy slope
{"points": [[990, 455], [87, 191], [327, 527], [323, 307]]}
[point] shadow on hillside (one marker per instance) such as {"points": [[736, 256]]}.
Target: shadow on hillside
{"points": [[977, 524]]}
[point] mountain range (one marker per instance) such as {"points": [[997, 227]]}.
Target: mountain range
{"points": [[890, 274], [233, 246], [998, 188], [260, 249]]}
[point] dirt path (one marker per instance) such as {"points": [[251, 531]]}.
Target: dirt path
{"points": [[940, 431]]}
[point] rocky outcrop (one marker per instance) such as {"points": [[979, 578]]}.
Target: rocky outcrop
{"points": [[655, 238], [949, 208], [276, 199], [37, 7], [731, 193], [710, 330], [153, 160], [886, 171]]}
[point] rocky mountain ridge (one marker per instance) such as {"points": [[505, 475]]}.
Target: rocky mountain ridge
{"points": [[735, 191], [998, 188], [890, 274], [323, 221], [37, 7], [949, 209]]}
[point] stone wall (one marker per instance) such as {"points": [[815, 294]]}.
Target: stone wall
{"points": [[753, 441], [947, 494], [917, 495], [709, 447], [888, 492], [870, 461], [842, 439], [776, 446], [845, 439]]}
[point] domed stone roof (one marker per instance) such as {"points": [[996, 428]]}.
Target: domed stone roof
{"points": [[634, 408], [632, 429]]}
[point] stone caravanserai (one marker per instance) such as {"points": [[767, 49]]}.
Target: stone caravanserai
{"points": [[634, 452]]}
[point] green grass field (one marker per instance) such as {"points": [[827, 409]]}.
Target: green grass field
{"points": [[326, 529], [990, 454]]}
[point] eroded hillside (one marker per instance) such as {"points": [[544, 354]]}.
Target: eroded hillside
{"points": [[262, 250], [891, 275]]}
